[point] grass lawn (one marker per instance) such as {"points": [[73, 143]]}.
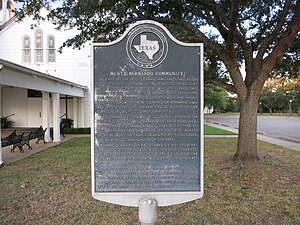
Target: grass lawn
{"points": [[54, 187], [209, 130]]}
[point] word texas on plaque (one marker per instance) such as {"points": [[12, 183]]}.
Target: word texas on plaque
{"points": [[147, 135]]}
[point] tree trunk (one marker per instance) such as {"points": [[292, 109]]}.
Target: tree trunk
{"points": [[247, 138], [270, 109]]}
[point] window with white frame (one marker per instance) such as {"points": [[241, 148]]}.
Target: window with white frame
{"points": [[38, 46], [26, 49], [51, 49]]}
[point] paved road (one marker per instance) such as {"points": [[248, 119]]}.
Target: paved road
{"points": [[279, 127]]}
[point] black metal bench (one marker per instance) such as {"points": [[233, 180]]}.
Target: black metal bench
{"points": [[7, 140], [13, 139], [40, 135], [22, 139], [26, 140], [16, 141]]}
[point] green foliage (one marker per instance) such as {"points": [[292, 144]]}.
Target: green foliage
{"points": [[107, 19], [216, 97], [272, 100], [214, 69], [290, 64], [66, 122], [77, 130], [232, 31], [6, 123], [256, 32], [278, 101], [279, 94], [233, 105]]}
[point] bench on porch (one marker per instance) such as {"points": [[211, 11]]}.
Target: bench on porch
{"points": [[62, 133], [13, 139], [40, 135], [20, 140]]}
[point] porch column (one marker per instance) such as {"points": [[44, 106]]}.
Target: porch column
{"points": [[81, 112], [1, 161], [75, 112], [46, 114], [56, 117]]}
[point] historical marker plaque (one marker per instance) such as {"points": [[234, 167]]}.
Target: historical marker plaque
{"points": [[147, 118]]}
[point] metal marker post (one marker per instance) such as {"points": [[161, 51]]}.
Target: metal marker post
{"points": [[147, 142], [148, 211]]}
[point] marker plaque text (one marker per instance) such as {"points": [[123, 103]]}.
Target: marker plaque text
{"points": [[147, 115]]}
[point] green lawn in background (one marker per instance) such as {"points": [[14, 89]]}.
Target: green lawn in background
{"points": [[209, 130], [54, 187]]}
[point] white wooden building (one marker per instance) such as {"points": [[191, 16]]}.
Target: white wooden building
{"points": [[39, 85]]}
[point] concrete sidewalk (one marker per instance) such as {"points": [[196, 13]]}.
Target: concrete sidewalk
{"points": [[9, 157], [260, 136]]}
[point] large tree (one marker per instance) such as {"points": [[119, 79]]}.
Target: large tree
{"points": [[256, 32]]}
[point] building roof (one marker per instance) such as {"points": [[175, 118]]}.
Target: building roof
{"points": [[13, 74], [7, 23]]}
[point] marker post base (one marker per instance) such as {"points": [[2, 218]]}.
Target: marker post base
{"points": [[148, 211]]}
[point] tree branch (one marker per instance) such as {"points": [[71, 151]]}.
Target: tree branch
{"points": [[283, 44], [229, 61], [273, 35], [228, 87], [218, 49], [219, 19]]}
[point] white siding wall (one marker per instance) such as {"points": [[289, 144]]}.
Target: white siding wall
{"points": [[28, 111], [14, 101], [72, 65]]}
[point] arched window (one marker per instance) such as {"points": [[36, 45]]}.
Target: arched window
{"points": [[50, 49], [26, 49], [38, 46]]}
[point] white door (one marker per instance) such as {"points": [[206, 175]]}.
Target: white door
{"points": [[35, 112]]}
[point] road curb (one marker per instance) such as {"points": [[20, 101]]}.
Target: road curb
{"points": [[260, 136]]}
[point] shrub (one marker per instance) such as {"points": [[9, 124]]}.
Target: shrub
{"points": [[77, 130], [6, 123]]}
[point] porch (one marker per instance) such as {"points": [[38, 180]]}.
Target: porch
{"points": [[34, 98]]}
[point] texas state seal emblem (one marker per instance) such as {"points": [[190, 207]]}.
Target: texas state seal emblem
{"points": [[146, 46]]}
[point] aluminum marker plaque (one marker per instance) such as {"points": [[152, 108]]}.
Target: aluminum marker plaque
{"points": [[147, 136]]}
